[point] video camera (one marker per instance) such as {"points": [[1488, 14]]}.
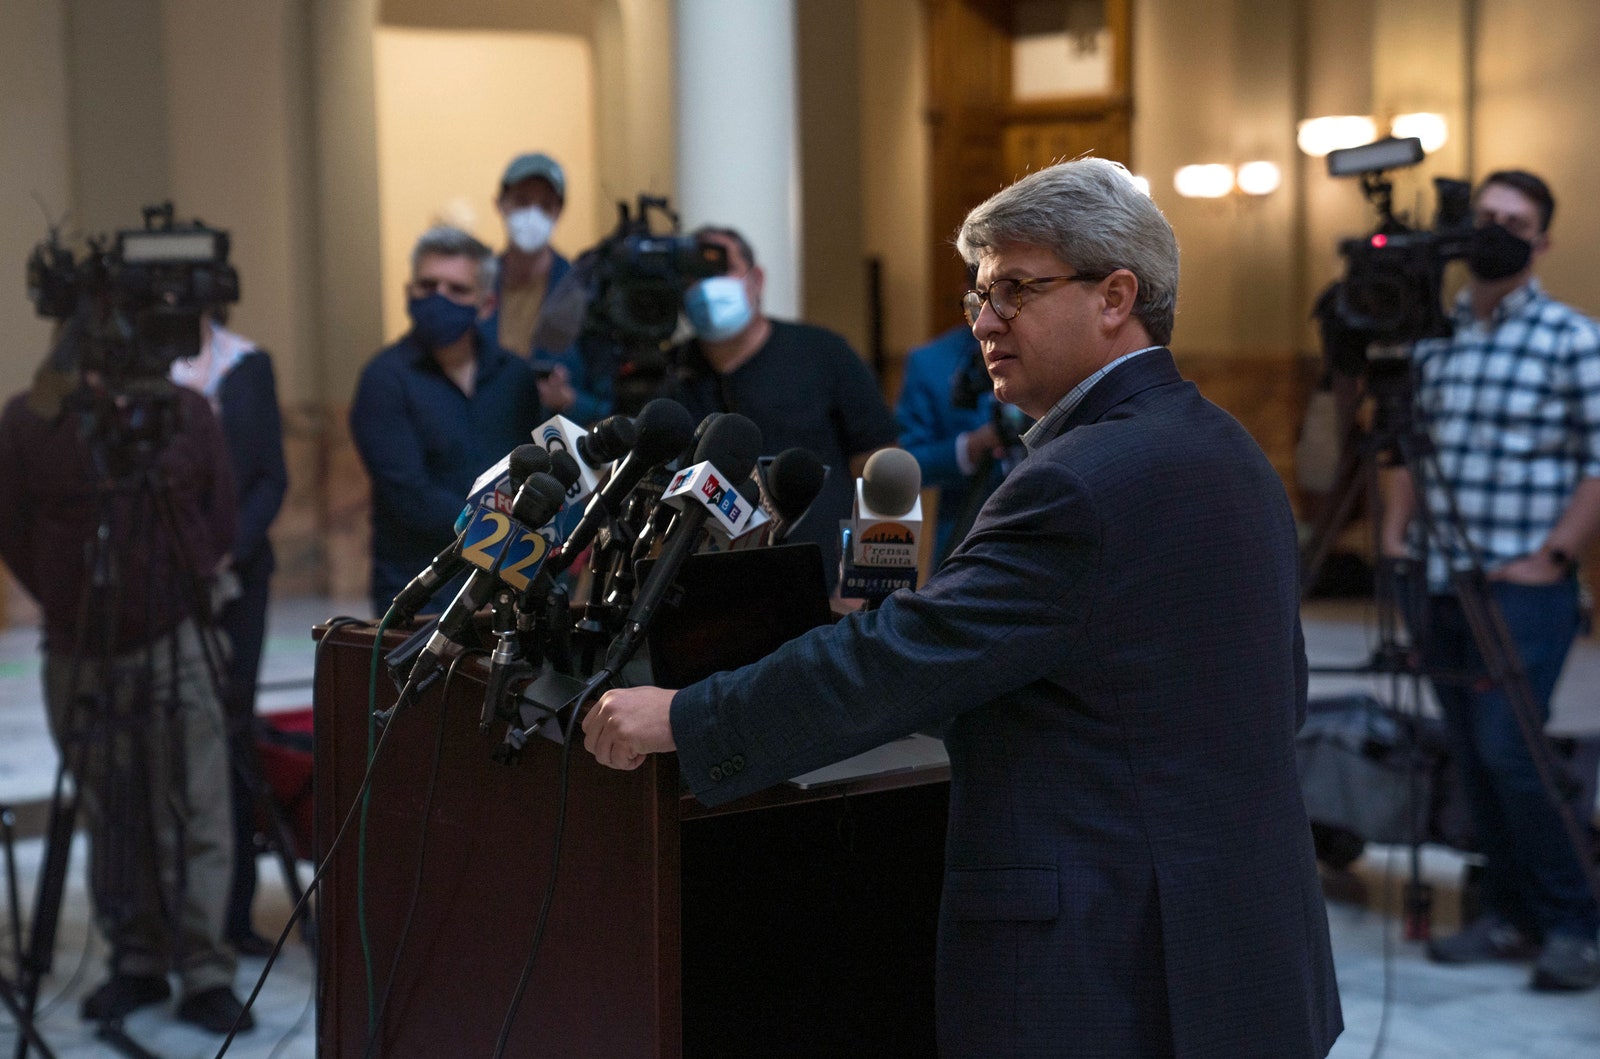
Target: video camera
{"points": [[134, 307], [1391, 293], [639, 277]]}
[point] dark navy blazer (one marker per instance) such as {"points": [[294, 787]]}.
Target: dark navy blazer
{"points": [[1115, 656]]}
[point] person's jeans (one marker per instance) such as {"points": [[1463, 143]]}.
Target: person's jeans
{"points": [[1532, 876]]}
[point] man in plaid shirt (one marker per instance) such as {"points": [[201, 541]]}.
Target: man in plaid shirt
{"points": [[1512, 402]]}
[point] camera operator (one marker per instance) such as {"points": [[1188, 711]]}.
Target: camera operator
{"points": [[802, 385], [435, 408], [949, 421], [1512, 403], [127, 686], [235, 376]]}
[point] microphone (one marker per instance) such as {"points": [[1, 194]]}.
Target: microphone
{"points": [[699, 435], [726, 454], [879, 553], [504, 550], [565, 470], [663, 428], [609, 440], [789, 484], [520, 575], [752, 529], [513, 470]]}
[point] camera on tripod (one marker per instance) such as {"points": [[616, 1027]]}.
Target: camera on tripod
{"points": [[1391, 294], [640, 277], [135, 303], [633, 284]]}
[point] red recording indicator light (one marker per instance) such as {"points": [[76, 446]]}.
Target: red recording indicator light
{"points": [[1380, 241]]}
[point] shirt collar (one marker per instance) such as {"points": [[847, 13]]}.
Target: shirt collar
{"points": [[1509, 306], [1050, 422]]}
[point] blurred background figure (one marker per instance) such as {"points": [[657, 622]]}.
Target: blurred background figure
{"points": [[236, 377], [950, 422]]}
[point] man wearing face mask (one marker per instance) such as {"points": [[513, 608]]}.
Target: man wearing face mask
{"points": [[802, 385], [1512, 403], [533, 191], [435, 408]]}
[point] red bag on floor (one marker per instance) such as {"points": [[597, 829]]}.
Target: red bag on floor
{"points": [[284, 748]]}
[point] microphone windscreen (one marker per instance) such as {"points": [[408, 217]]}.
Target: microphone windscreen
{"points": [[664, 427], [891, 481], [563, 468], [610, 439], [732, 444], [525, 460], [794, 478], [537, 502]]}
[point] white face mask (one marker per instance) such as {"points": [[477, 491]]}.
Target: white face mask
{"points": [[529, 229], [717, 307]]}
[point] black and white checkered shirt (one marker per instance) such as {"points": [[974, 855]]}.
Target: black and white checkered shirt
{"points": [[1513, 406]]}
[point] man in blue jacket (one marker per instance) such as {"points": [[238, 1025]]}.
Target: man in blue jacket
{"points": [[959, 448], [1115, 657]]}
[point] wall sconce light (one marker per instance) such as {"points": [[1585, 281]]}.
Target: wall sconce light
{"points": [[1217, 181], [1259, 178], [1318, 136], [1203, 181], [1140, 182], [1431, 129]]}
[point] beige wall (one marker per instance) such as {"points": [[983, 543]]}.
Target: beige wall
{"points": [[445, 138], [36, 161], [1214, 82], [1537, 106], [239, 159], [633, 102], [833, 263], [894, 165]]}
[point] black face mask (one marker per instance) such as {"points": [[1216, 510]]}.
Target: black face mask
{"points": [[1497, 254]]}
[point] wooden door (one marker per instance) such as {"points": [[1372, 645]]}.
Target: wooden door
{"points": [[1016, 85]]}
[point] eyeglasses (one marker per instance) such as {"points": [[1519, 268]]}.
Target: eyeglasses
{"points": [[1005, 295]]}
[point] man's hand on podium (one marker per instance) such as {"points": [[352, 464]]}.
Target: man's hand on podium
{"points": [[627, 724]]}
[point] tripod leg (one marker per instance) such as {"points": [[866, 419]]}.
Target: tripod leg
{"points": [[1497, 647], [1500, 654], [1350, 481]]}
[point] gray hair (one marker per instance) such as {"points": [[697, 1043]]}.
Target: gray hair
{"points": [[444, 240], [1091, 215]]}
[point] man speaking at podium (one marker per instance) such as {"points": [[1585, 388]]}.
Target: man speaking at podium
{"points": [[1115, 658]]}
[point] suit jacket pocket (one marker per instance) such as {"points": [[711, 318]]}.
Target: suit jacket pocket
{"points": [[1015, 893]]}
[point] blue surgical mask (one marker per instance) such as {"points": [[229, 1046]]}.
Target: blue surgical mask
{"points": [[437, 321], [717, 307]]}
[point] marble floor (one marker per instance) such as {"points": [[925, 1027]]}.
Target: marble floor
{"points": [[1396, 1003]]}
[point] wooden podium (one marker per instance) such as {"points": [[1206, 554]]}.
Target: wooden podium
{"points": [[790, 923]]}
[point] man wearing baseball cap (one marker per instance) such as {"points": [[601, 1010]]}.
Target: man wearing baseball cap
{"points": [[533, 190]]}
